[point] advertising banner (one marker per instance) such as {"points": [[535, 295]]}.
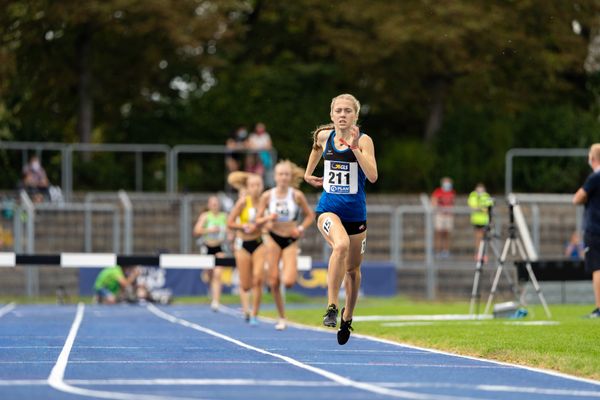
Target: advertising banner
{"points": [[378, 279]]}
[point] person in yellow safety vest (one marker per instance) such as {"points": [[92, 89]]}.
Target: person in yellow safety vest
{"points": [[480, 202]]}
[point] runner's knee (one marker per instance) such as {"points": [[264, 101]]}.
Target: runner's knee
{"points": [[274, 282], [341, 246], [289, 283]]}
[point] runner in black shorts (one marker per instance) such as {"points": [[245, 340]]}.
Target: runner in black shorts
{"points": [[284, 203], [249, 249], [349, 160]]}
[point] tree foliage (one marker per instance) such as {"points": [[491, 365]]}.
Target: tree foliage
{"points": [[447, 86]]}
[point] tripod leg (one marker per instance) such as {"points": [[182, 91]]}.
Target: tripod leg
{"points": [[479, 265], [498, 273], [533, 279], [513, 285]]}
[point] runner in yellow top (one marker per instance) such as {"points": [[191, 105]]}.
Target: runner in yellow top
{"points": [[248, 249]]}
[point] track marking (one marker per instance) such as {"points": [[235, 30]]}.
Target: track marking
{"points": [[436, 317], [434, 351], [295, 383], [6, 309], [80, 347], [24, 382], [498, 388], [56, 377], [181, 362], [204, 382], [442, 322], [329, 375], [415, 323], [532, 323]]}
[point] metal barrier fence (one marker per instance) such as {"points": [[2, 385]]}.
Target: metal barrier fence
{"points": [[170, 156], [518, 152], [135, 223]]}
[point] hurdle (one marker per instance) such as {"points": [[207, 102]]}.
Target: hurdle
{"points": [[101, 260]]}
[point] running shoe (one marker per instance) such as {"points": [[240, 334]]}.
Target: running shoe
{"points": [[594, 314], [280, 325], [247, 316], [214, 305], [345, 327], [253, 321], [330, 316]]}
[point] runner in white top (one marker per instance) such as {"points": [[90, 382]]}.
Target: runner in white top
{"points": [[284, 202]]}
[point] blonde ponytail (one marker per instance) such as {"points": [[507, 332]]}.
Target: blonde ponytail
{"points": [[315, 135], [238, 179]]}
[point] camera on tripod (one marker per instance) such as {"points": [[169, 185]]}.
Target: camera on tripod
{"points": [[519, 245]]}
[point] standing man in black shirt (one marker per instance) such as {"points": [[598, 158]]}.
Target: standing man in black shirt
{"points": [[589, 196]]}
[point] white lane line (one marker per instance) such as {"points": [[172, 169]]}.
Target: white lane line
{"points": [[532, 323], [6, 309], [415, 323], [24, 382], [287, 383], [435, 317], [447, 353], [80, 347], [243, 362], [354, 351], [544, 391], [496, 388], [56, 377], [203, 382], [329, 375]]}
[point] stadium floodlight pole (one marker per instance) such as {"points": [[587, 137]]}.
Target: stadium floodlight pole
{"points": [[515, 243]]}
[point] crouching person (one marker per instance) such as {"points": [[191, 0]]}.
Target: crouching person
{"points": [[113, 283]]}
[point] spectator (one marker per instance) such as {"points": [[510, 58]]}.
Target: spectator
{"points": [[35, 180], [113, 284], [261, 140], [480, 203], [253, 165], [442, 200], [574, 248], [589, 196], [236, 145]]}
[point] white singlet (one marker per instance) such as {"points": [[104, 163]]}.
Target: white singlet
{"points": [[286, 208]]}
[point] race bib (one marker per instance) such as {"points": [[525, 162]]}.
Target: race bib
{"points": [[282, 211], [340, 177]]}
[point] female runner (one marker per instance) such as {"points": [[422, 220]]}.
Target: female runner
{"points": [[211, 227], [349, 159], [249, 250], [284, 203]]}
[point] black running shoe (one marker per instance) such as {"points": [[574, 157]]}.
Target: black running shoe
{"points": [[247, 317], [330, 317], [345, 327]]}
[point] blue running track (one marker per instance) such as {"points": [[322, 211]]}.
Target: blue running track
{"points": [[190, 352]]}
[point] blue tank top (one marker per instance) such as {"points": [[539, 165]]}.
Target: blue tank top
{"points": [[343, 184]]}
